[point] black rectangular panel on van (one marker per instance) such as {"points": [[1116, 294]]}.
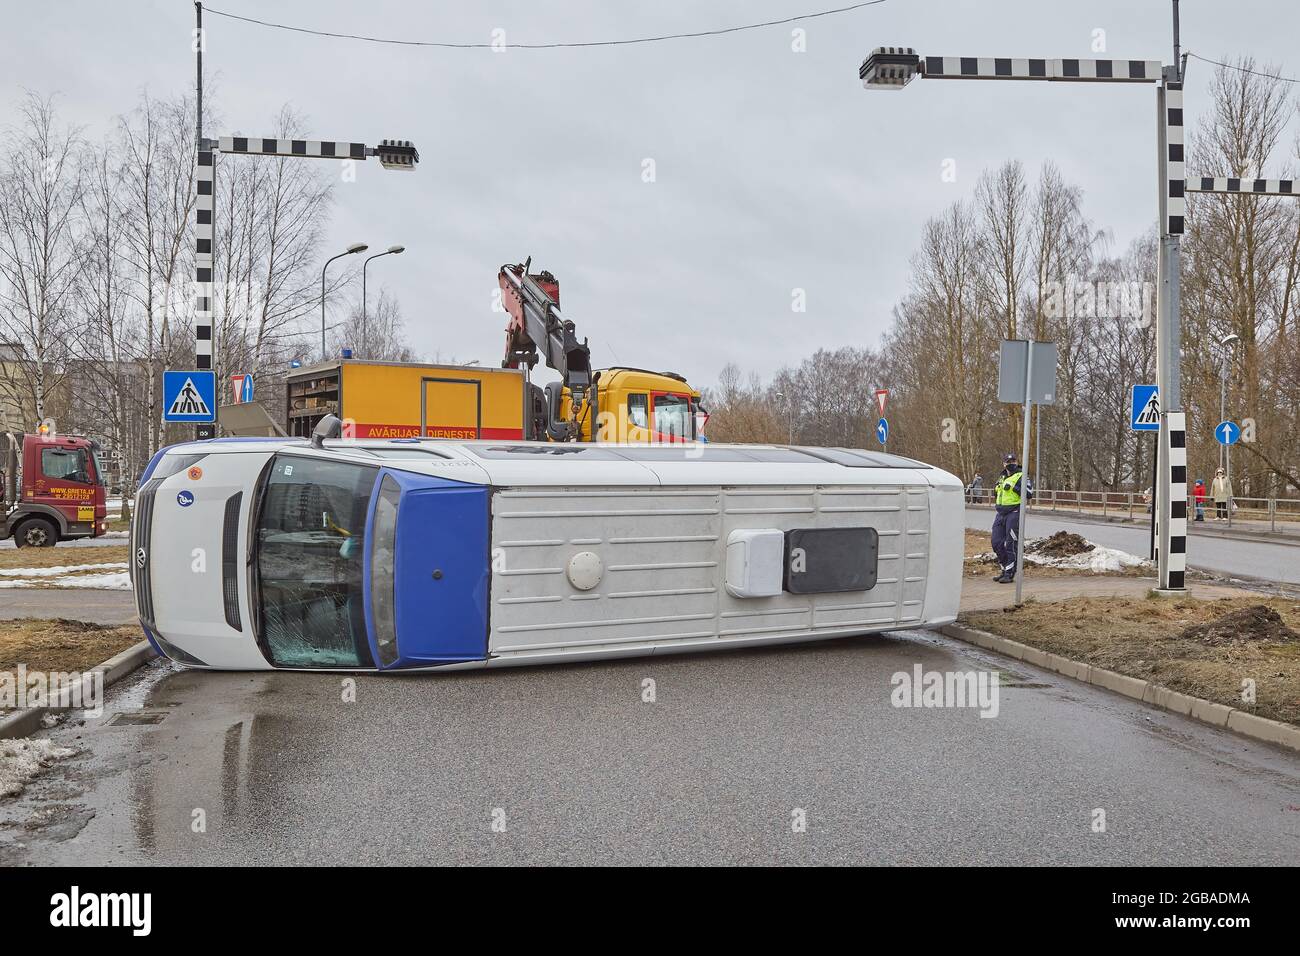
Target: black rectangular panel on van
{"points": [[824, 560]]}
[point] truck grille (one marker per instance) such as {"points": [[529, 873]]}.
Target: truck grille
{"points": [[230, 560], [141, 538]]}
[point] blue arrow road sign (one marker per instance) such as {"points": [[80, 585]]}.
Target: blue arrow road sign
{"points": [[1227, 433], [882, 430], [1144, 413], [248, 387], [190, 396]]}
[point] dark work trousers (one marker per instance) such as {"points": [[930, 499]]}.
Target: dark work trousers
{"points": [[1006, 529]]}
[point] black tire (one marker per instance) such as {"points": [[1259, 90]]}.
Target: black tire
{"points": [[36, 533]]}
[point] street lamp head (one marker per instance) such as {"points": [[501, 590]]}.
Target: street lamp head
{"points": [[397, 154], [889, 68], [394, 250], [1231, 338], [357, 247]]}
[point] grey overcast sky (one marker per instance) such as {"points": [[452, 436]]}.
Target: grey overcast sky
{"points": [[774, 169]]}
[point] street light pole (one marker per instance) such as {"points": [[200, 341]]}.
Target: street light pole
{"points": [[390, 251], [789, 417], [1225, 450], [350, 250], [1223, 395]]}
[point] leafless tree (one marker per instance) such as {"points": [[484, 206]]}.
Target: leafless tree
{"points": [[40, 262], [379, 335]]}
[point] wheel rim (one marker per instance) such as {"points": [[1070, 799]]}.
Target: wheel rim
{"points": [[37, 535]]}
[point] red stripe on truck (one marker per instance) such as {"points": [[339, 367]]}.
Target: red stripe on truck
{"points": [[462, 432]]}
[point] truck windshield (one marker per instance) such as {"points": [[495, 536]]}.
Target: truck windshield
{"points": [[66, 464], [309, 551], [674, 418]]}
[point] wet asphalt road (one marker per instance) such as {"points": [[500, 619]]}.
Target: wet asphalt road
{"points": [[1224, 556], [581, 770]]}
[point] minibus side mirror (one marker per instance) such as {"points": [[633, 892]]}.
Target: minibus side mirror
{"points": [[328, 427]]}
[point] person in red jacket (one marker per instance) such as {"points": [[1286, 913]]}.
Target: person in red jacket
{"points": [[1198, 495]]}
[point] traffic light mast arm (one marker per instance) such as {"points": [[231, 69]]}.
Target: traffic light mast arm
{"points": [[537, 328], [1243, 185], [893, 67], [392, 153]]}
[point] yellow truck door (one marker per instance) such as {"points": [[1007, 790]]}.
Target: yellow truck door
{"points": [[451, 408]]}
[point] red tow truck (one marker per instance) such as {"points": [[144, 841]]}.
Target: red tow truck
{"points": [[51, 489]]}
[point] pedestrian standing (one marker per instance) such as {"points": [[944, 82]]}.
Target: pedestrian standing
{"points": [[1221, 492]]}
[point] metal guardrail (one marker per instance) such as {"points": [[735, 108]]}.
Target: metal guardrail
{"points": [[1274, 515]]}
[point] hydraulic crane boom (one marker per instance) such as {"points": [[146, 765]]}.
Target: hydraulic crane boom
{"points": [[537, 329]]}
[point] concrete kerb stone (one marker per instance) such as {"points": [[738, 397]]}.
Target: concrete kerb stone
{"points": [[1206, 711]]}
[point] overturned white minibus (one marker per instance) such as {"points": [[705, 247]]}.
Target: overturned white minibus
{"points": [[420, 554]]}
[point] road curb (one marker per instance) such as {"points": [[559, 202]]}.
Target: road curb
{"points": [[24, 723], [1085, 517], [1206, 711]]}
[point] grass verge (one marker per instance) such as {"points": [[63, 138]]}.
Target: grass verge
{"points": [[16, 558], [1145, 638], [61, 645]]}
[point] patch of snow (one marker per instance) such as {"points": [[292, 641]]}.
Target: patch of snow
{"points": [[1097, 561], [61, 570], [111, 581], [21, 760], [1100, 560], [115, 581]]}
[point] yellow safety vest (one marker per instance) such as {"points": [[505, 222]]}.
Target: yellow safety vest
{"points": [[1007, 495]]}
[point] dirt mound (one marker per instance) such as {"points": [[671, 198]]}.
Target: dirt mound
{"points": [[1255, 623], [1063, 544]]}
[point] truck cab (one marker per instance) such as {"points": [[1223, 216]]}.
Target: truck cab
{"points": [[51, 489], [637, 405]]}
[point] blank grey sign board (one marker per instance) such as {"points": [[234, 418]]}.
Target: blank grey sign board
{"points": [[1011, 373]]}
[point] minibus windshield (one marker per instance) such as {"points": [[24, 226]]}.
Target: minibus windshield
{"points": [[309, 553]]}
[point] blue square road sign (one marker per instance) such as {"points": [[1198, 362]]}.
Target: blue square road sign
{"points": [[190, 396], [1144, 413]]}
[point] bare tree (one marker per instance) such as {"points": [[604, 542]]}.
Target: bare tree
{"points": [[157, 172], [379, 335], [40, 262], [1240, 279], [266, 251]]}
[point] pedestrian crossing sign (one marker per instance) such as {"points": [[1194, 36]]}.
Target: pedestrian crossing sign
{"points": [[190, 396], [1144, 415]]}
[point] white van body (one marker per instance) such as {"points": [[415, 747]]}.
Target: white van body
{"points": [[585, 551]]}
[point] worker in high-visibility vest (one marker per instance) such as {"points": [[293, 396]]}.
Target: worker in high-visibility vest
{"points": [[1006, 524]]}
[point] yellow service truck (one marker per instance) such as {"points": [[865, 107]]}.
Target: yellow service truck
{"points": [[407, 400]]}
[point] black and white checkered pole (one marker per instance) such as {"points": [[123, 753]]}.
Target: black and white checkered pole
{"points": [[392, 154], [894, 67], [1170, 506]]}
